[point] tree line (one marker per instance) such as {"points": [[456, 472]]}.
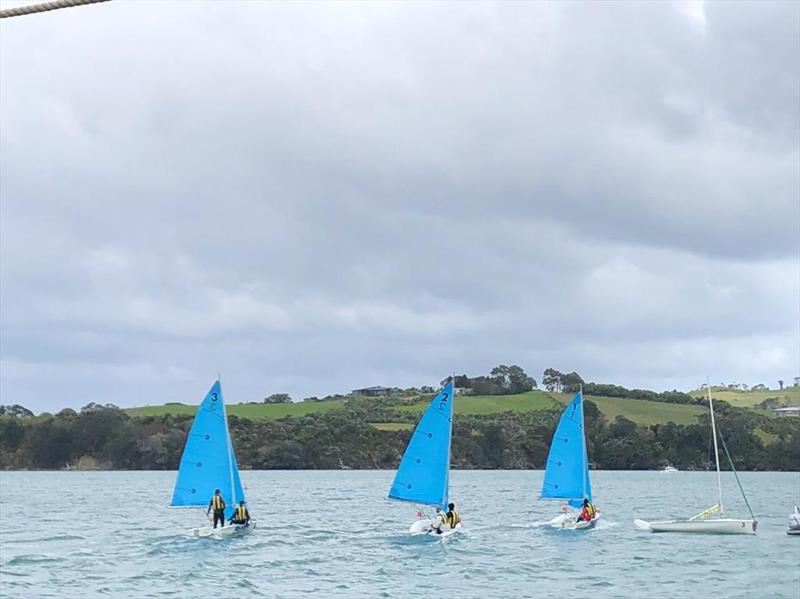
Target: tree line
{"points": [[513, 380], [104, 436]]}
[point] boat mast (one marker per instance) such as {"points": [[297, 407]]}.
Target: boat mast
{"points": [[716, 451], [450, 445], [584, 458], [230, 446]]}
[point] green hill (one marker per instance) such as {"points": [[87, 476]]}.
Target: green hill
{"points": [[639, 411], [790, 396], [253, 411]]}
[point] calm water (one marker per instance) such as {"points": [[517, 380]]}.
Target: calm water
{"points": [[332, 533]]}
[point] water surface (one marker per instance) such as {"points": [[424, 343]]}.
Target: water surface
{"points": [[333, 534]]}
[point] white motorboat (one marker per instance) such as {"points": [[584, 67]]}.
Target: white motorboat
{"points": [[668, 469]]}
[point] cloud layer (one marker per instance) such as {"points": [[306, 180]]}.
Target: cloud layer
{"points": [[316, 197]]}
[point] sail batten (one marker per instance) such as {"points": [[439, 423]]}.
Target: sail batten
{"points": [[566, 476], [208, 462], [423, 474]]}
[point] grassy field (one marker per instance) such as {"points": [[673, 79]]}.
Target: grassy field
{"points": [[493, 404], [393, 426], [639, 411], [747, 399], [254, 411]]}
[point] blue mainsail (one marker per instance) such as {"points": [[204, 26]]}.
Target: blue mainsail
{"points": [[424, 471], [208, 461], [567, 473]]}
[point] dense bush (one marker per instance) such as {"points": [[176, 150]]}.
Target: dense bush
{"points": [[107, 436]]}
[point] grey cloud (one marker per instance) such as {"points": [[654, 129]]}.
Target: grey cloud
{"points": [[315, 197]]}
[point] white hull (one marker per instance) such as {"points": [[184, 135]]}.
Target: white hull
{"points": [[425, 527], [222, 531], [715, 526], [794, 522], [569, 521]]}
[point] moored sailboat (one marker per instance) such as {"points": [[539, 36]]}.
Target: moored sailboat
{"points": [[566, 475], [704, 522], [423, 476], [209, 463]]}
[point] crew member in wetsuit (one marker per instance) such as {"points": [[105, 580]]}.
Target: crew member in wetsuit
{"points": [[588, 512], [240, 515], [217, 504]]}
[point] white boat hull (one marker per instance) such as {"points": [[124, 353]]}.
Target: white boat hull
{"points": [[794, 522], [222, 531], [425, 527], [715, 526], [569, 521]]}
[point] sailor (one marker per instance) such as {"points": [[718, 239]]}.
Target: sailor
{"points": [[217, 503], [588, 512], [240, 514], [451, 518], [447, 519]]}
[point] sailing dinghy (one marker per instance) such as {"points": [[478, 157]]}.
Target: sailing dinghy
{"points": [[566, 476], [209, 463], [794, 522], [702, 522], [424, 473]]}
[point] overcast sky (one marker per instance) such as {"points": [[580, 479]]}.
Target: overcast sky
{"points": [[316, 197]]}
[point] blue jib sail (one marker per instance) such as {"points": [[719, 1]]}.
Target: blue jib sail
{"points": [[567, 473], [208, 461], [424, 471]]}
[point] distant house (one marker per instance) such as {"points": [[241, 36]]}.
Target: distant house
{"points": [[375, 391], [793, 411]]}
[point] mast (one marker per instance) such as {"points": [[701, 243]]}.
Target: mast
{"points": [[583, 457], [450, 445], [230, 446], [716, 451]]}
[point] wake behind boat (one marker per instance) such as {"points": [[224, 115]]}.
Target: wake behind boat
{"points": [[423, 476], [208, 476], [566, 476], [702, 522]]}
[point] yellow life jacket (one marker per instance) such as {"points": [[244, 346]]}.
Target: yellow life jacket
{"points": [[217, 502], [241, 514], [452, 518], [591, 510]]}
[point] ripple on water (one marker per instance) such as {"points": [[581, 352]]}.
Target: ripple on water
{"points": [[28, 540], [34, 559], [355, 543]]}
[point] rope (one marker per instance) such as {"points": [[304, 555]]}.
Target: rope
{"points": [[20, 11], [738, 482]]}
